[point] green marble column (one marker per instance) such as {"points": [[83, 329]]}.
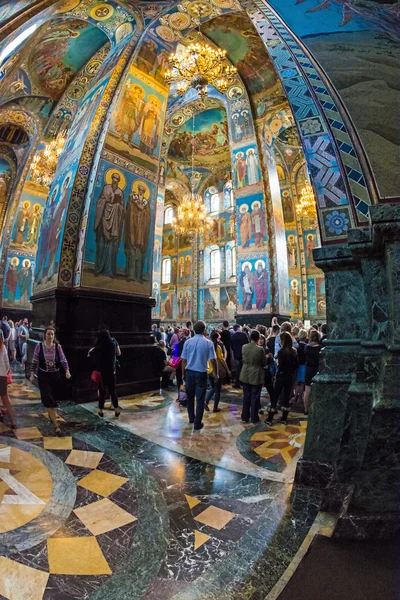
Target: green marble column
{"points": [[351, 449]]}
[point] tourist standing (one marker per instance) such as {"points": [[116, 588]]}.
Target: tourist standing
{"points": [[47, 359], [301, 371], [214, 379], [12, 342], [23, 335], [197, 351], [226, 340], [104, 356], [238, 340], [312, 352], [252, 376], [4, 370], [287, 365]]}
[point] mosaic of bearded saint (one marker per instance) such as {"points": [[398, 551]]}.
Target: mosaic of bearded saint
{"points": [[130, 111], [137, 228]]}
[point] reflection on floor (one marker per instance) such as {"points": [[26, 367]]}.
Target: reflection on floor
{"points": [[142, 507]]}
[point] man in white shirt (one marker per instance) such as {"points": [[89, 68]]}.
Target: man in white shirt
{"points": [[196, 353]]}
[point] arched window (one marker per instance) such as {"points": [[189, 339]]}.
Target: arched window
{"points": [[168, 215], [215, 264], [230, 261], [212, 265], [166, 271], [214, 203]]}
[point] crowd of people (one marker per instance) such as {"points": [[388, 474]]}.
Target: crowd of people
{"points": [[283, 358]]}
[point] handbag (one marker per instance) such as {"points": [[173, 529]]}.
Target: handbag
{"points": [[222, 372], [9, 378], [174, 362], [97, 378]]}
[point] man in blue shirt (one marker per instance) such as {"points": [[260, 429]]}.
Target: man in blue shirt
{"points": [[196, 353]]}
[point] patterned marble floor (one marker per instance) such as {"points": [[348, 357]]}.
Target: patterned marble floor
{"points": [[142, 507]]}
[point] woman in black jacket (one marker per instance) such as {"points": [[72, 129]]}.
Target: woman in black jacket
{"points": [[104, 356], [287, 366]]}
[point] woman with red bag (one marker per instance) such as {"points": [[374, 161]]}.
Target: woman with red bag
{"points": [[5, 379], [104, 355]]}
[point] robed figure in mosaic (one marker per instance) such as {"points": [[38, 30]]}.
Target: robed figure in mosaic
{"points": [[108, 223], [137, 230]]}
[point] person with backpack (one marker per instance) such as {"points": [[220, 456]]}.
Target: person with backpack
{"points": [[48, 360]]}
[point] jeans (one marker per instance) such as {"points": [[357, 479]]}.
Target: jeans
{"points": [[239, 363], [109, 382], [251, 402], [196, 385], [215, 384]]}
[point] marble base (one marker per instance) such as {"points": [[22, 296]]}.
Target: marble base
{"points": [[78, 315]]}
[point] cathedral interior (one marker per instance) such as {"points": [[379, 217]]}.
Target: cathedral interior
{"points": [[139, 191]]}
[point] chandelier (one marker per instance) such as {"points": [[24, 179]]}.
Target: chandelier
{"points": [[198, 66], [191, 216], [45, 162], [306, 206]]}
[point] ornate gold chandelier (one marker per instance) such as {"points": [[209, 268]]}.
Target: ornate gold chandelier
{"points": [[198, 66], [45, 162], [306, 206], [191, 216]]}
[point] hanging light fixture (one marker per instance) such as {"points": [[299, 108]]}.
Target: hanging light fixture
{"points": [[191, 218], [45, 162], [198, 66], [306, 208]]}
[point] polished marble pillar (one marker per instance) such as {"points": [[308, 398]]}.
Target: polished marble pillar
{"points": [[352, 442]]}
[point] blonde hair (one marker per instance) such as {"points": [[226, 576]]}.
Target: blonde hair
{"points": [[302, 334]]}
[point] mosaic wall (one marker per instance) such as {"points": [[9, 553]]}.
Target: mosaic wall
{"points": [[119, 240], [357, 44]]}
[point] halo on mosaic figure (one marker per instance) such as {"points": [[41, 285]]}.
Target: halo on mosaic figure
{"points": [[54, 193], [256, 204], [239, 155], [67, 180], [247, 264], [26, 263], [102, 12], [260, 262], [165, 33], [154, 100], [135, 187], [294, 283], [26, 204], [244, 208], [14, 261], [122, 178]]}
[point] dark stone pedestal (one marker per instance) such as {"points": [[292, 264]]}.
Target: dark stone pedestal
{"points": [[78, 314], [351, 452]]}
